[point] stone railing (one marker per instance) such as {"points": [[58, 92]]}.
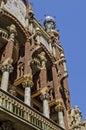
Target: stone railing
{"points": [[3, 34], [17, 107]]}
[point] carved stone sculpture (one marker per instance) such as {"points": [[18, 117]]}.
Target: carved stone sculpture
{"points": [[2, 3], [75, 116]]}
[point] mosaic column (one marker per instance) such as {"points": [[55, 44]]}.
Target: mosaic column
{"points": [[27, 84], [45, 98], [6, 69], [60, 109]]}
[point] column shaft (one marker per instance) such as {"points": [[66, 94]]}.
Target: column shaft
{"points": [[46, 108], [27, 97], [61, 118], [5, 80], [27, 84]]}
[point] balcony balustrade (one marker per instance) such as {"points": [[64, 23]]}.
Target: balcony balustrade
{"points": [[17, 107], [3, 34]]}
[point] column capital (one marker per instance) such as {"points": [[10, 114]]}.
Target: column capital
{"points": [[59, 105], [44, 94], [6, 65], [27, 80]]}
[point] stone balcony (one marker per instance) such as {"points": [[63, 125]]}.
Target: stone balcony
{"points": [[23, 116], [3, 34], [3, 37]]}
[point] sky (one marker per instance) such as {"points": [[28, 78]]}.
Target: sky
{"points": [[70, 16]]}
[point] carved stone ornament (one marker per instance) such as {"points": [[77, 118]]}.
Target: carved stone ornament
{"points": [[59, 105], [30, 13], [2, 3], [45, 94], [39, 61], [6, 65], [42, 59], [27, 80], [74, 116], [12, 32]]}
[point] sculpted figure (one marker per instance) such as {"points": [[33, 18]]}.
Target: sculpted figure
{"points": [[75, 116], [2, 3]]}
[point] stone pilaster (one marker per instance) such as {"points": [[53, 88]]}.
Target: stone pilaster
{"points": [[27, 84], [56, 82], [45, 97], [6, 69], [27, 68], [59, 108]]}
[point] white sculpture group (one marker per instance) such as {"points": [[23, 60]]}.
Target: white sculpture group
{"points": [[75, 116]]}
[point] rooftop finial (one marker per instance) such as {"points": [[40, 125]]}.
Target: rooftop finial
{"points": [[49, 23]]}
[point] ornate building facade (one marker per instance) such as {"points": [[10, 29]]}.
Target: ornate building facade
{"points": [[34, 93]]}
